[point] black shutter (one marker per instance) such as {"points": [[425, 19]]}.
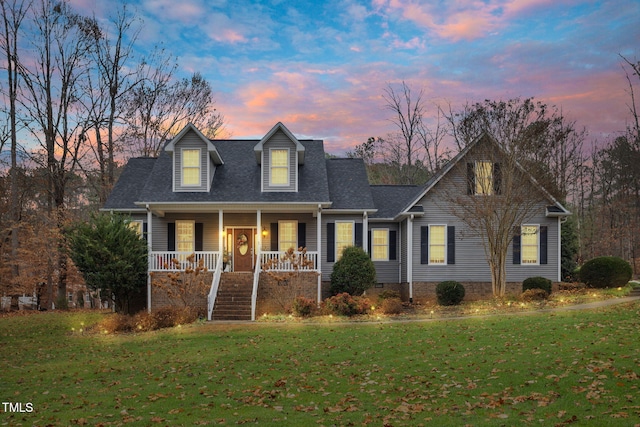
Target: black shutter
{"points": [[424, 244], [543, 244], [171, 236], [199, 231], [358, 240], [471, 179], [451, 244], [497, 178], [274, 236], [331, 241], [516, 245], [393, 247], [369, 243], [145, 231], [302, 234]]}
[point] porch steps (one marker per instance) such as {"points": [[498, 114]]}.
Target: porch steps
{"points": [[234, 297]]}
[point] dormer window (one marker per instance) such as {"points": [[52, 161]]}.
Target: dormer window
{"points": [[279, 173], [191, 167]]}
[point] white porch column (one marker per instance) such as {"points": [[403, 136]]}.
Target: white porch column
{"points": [[220, 232], [410, 256], [149, 249], [258, 232], [559, 254], [319, 250], [365, 232]]}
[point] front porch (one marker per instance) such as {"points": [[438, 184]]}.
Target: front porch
{"points": [[233, 242]]}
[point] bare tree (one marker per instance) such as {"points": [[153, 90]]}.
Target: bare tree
{"points": [[402, 149], [501, 192], [160, 106], [105, 89], [60, 41], [13, 14]]}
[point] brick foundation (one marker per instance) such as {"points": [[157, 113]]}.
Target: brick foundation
{"points": [[160, 299], [277, 297]]}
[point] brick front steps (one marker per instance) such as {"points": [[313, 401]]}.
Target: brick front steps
{"points": [[234, 297]]}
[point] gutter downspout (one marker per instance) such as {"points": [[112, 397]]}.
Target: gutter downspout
{"points": [[149, 248], [319, 250], [410, 256]]}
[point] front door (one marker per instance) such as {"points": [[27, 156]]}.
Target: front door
{"points": [[243, 249]]}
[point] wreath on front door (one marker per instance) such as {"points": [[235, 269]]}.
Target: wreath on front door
{"points": [[242, 243]]}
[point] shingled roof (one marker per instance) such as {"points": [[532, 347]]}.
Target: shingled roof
{"points": [[129, 186], [390, 200], [348, 184]]}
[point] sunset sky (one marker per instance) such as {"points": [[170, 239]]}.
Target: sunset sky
{"points": [[321, 67]]}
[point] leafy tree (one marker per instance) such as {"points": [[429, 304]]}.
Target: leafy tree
{"points": [[353, 273], [111, 257]]}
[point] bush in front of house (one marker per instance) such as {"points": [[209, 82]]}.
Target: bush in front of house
{"points": [[391, 306], [537, 283], [303, 307], [345, 304], [534, 294], [353, 273], [144, 321], [449, 292], [606, 272]]}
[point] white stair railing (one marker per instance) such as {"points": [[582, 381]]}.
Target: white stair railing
{"points": [[256, 280], [215, 284]]}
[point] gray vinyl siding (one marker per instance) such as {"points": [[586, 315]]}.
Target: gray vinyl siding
{"points": [[210, 229], [191, 141], [279, 141], [387, 271], [470, 260], [327, 267], [311, 228]]}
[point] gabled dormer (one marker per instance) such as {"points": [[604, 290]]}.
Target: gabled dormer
{"points": [[194, 160], [280, 154]]}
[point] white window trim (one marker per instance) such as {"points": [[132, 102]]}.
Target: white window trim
{"points": [[446, 243], [182, 167], [353, 237], [373, 245], [271, 184], [193, 226], [296, 231], [475, 178], [522, 263]]}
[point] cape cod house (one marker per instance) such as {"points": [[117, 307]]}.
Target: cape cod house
{"points": [[236, 204]]}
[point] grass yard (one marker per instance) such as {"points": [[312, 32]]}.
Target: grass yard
{"points": [[551, 369]]}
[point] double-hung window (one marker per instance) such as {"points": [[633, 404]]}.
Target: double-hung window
{"points": [[344, 236], [529, 242], [380, 244], [287, 235], [191, 167], [484, 177], [437, 244], [185, 236], [136, 226], [279, 170]]}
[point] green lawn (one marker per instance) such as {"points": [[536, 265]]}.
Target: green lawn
{"points": [[578, 368]]}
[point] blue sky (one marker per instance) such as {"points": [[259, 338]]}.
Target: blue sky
{"points": [[321, 67]]}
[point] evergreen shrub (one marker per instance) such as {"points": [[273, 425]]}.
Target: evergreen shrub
{"points": [[353, 273], [606, 272], [537, 283], [449, 292]]}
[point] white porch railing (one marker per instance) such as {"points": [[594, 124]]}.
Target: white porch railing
{"points": [[215, 284], [274, 260], [164, 260]]}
